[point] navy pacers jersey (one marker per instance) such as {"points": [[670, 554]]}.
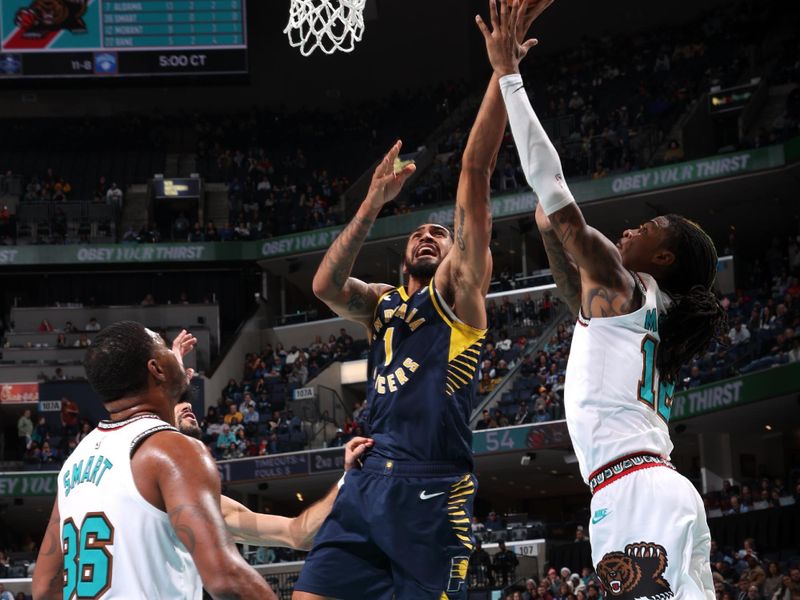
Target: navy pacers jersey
{"points": [[422, 377]]}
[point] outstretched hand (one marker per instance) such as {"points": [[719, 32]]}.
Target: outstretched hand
{"points": [[528, 12], [502, 44], [181, 346], [386, 183], [354, 449]]}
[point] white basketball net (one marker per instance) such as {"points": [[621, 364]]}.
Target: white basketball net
{"points": [[329, 25]]}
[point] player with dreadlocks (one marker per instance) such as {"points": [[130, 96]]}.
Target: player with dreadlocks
{"points": [[644, 307]]}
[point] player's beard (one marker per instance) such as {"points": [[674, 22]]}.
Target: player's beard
{"points": [[185, 426], [422, 270], [190, 429]]}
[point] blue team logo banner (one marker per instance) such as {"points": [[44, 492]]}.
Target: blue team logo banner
{"points": [[10, 64], [31, 25], [105, 63]]}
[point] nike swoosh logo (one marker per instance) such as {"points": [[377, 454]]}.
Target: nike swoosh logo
{"points": [[425, 496], [599, 516]]}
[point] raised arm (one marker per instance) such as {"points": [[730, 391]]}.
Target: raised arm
{"points": [[185, 478], [564, 270], [347, 296], [607, 287], [48, 577], [271, 530], [465, 274]]}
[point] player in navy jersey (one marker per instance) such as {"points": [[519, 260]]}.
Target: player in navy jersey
{"points": [[400, 526]]}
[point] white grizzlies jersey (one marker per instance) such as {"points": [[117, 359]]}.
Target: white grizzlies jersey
{"points": [[614, 401], [115, 543]]}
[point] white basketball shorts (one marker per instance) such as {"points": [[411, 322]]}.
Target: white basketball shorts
{"points": [[650, 538]]}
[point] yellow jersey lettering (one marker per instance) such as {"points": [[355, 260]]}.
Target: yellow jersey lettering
{"points": [[413, 326], [388, 314], [392, 385], [400, 313], [410, 365], [377, 325], [401, 375], [380, 384]]}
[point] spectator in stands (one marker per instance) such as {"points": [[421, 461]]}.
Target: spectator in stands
{"points": [[5, 594], [251, 419], [180, 227], [493, 523], [61, 341], [580, 534], [522, 415], [33, 454], [24, 430], [234, 417], [197, 234], [345, 339], [552, 582], [70, 416], [739, 333], [225, 439], [69, 327], [736, 508], [148, 300], [504, 564], [480, 567], [86, 429], [45, 326], [48, 455], [486, 421], [500, 418], [772, 580], [41, 431], [83, 341], [92, 325], [114, 196]]}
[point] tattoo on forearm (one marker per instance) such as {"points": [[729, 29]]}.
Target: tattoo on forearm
{"points": [[460, 230], [178, 517], [565, 273], [342, 253]]}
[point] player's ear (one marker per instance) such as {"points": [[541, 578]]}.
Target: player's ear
{"points": [[156, 370], [664, 258]]}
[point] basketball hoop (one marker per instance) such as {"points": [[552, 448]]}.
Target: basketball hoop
{"points": [[329, 25]]}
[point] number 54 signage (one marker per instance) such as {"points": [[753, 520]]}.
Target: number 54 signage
{"points": [[538, 436]]}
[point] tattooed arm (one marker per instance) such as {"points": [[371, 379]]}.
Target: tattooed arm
{"points": [[347, 296], [178, 475], [607, 288], [48, 577], [464, 275], [565, 271]]}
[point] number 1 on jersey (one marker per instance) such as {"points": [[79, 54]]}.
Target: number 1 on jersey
{"points": [[387, 346], [647, 393]]}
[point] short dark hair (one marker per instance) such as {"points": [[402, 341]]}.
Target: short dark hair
{"points": [[116, 363]]}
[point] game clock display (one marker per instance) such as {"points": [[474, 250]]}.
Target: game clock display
{"points": [[113, 38]]}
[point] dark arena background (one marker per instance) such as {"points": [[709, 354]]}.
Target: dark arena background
{"points": [[182, 165]]}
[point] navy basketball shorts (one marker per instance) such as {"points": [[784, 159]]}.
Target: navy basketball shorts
{"points": [[397, 529]]}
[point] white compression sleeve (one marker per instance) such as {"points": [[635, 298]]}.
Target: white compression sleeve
{"points": [[539, 158]]}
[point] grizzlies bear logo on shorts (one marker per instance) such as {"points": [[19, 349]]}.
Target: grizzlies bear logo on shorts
{"points": [[636, 572]]}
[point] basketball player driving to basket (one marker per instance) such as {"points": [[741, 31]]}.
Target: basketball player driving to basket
{"points": [[400, 526], [645, 306]]}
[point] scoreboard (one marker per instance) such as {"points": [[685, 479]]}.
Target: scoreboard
{"points": [[117, 38]]}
